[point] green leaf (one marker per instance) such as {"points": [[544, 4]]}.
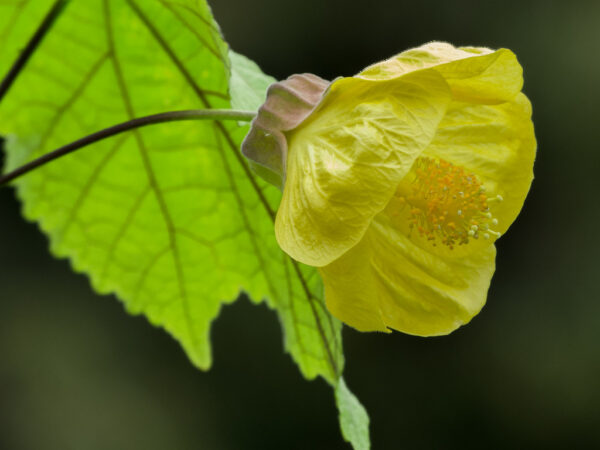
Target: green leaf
{"points": [[354, 420], [248, 84], [170, 218]]}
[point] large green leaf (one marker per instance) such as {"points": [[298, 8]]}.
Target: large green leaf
{"points": [[169, 218]]}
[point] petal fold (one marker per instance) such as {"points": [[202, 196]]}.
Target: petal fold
{"points": [[475, 74], [347, 158]]}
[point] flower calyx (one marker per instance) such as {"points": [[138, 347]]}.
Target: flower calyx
{"points": [[288, 104]]}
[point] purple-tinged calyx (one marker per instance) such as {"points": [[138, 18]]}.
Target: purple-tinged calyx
{"points": [[288, 104]]}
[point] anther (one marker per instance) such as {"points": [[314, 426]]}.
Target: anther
{"points": [[445, 203]]}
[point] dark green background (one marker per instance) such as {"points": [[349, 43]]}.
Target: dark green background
{"points": [[76, 372]]}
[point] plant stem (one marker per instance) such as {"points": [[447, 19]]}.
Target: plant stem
{"points": [[31, 46], [173, 116]]}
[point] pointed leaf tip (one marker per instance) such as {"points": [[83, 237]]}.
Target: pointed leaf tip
{"points": [[354, 420]]}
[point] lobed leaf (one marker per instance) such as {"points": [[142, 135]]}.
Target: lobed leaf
{"points": [[170, 218]]}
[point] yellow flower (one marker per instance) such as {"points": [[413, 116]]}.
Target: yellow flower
{"points": [[398, 181]]}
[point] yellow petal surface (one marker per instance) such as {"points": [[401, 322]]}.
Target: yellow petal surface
{"points": [[386, 281], [474, 74], [345, 161]]}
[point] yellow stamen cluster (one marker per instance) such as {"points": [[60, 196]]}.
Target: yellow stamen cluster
{"points": [[447, 204]]}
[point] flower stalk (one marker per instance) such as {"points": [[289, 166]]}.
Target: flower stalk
{"points": [[172, 116]]}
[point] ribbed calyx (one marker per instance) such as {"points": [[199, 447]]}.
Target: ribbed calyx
{"points": [[288, 104]]}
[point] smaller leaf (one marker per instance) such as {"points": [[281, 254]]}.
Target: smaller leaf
{"points": [[354, 420], [312, 335], [248, 84]]}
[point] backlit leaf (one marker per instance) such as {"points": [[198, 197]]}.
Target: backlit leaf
{"points": [[169, 218]]}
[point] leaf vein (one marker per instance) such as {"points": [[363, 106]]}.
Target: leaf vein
{"points": [[63, 108], [122, 230], [201, 93], [184, 22], [98, 168]]}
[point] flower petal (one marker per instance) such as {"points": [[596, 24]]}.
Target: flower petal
{"points": [[487, 129], [346, 159], [388, 281]]}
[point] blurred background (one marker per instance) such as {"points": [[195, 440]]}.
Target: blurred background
{"points": [[77, 372]]}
